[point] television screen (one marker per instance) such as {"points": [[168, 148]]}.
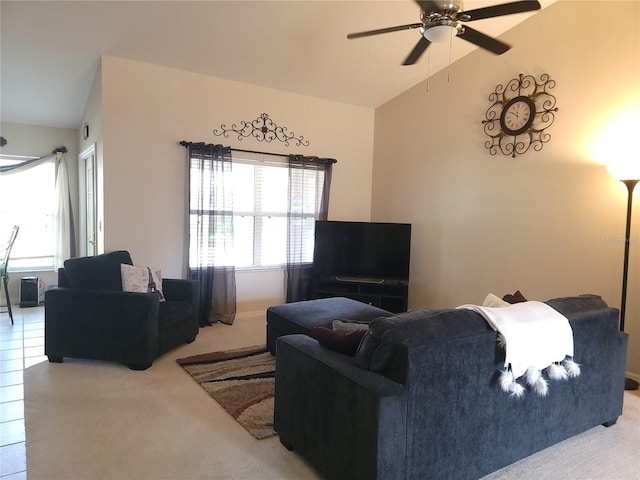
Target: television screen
{"points": [[367, 250]]}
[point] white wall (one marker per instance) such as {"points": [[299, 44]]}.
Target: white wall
{"points": [[550, 223], [148, 109], [38, 141]]}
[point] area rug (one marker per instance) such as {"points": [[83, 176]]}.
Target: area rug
{"points": [[242, 381]]}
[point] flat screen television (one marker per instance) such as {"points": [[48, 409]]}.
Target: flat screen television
{"points": [[362, 250]]}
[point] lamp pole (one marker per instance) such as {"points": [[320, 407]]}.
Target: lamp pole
{"points": [[629, 383], [627, 240]]}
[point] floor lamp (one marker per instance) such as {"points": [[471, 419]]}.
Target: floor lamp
{"points": [[629, 383]]}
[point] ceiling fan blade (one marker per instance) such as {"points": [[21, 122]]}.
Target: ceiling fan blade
{"points": [[428, 6], [499, 10], [483, 41], [417, 51], [384, 30]]}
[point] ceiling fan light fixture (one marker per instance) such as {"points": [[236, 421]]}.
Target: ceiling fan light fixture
{"points": [[440, 33]]}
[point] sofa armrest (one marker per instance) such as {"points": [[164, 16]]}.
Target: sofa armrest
{"points": [[340, 364], [175, 289], [91, 306], [326, 407], [102, 325], [63, 282]]}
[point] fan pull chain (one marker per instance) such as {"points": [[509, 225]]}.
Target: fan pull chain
{"points": [[450, 56], [428, 67]]}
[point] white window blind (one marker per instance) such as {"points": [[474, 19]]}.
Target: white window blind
{"points": [[257, 191], [306, 195]]}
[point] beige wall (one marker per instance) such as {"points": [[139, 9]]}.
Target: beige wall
{"points": [[92, 117], [550, 223], [148, 109]]}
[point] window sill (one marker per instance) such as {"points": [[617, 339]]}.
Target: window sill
{"points": [[31, 269], [271, 268]]}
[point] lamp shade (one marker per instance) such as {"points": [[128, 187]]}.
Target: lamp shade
{"points": [[625, 170], [614, 144]]}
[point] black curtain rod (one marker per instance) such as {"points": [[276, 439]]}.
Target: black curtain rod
{"points": [[332, 160], [259, 153], [184, 143]]}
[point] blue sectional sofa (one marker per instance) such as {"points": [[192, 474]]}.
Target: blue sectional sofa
{"points": [[420, 399]]}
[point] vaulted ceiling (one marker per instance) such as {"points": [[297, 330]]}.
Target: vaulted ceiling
{"points": [[50, 50]]}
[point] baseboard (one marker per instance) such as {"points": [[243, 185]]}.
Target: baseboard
{"points": [[254, 314]]}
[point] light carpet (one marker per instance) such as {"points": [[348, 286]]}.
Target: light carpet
{"points": [[93, 420]]}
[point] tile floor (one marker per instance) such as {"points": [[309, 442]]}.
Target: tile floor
{"points": [[21, 346]]}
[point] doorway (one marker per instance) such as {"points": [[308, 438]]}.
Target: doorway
{"points": [[88, 202]]}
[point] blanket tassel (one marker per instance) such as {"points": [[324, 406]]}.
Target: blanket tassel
{"points": [[536, 381], [572, 368], [508, 384], [557, 372]]}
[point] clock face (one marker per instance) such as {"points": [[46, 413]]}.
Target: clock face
{"points": [[518, 115]]}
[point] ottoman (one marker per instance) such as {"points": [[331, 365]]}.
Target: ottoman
{"points": [[300, 317]]}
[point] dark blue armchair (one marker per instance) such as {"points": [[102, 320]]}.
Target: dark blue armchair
{"points": [[89, 316]]}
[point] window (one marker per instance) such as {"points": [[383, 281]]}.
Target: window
{"points": [[258, 194], [28, 199]]}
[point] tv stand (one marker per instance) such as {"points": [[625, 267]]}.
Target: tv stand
{"points": [[378, 281], [391, 295]]}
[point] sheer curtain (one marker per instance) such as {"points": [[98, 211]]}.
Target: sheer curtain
{"points": [[64, 231], [63, 224], [211, 231], [309, 187]]}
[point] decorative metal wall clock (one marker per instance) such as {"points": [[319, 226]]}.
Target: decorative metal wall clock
{"points": [[521, 112]]}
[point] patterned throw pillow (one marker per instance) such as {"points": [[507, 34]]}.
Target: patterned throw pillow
{"points": [[343, 341], [141, 279], [517, 297], [348, 325], [492, 300]]}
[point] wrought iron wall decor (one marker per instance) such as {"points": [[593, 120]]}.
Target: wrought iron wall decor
{"points": [[521, 112], [262, 129]]}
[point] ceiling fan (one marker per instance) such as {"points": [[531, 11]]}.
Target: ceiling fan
{"points": [[439, 19]]}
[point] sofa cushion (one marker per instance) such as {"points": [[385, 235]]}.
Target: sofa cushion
{"points": [[385, 334], [100, 272], [577, 304], [414, 327]]}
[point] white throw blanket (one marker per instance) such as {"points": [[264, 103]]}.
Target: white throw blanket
{"points": [[535, 337]]}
